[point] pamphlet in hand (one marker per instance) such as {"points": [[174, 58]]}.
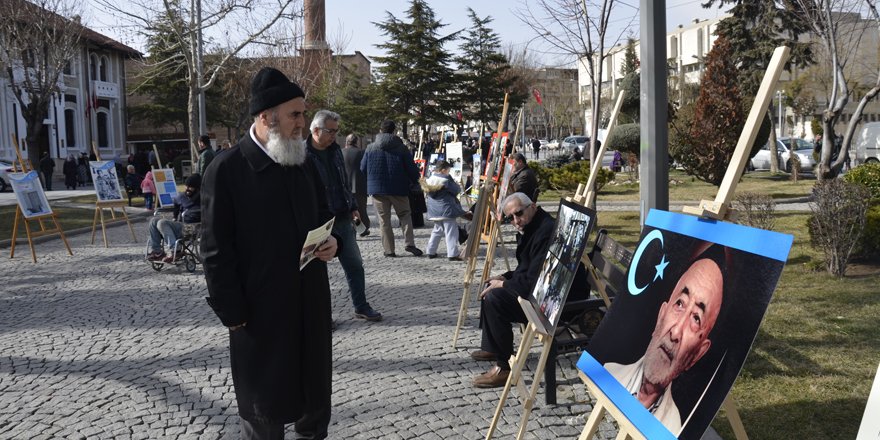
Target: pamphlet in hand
{"points": [[314, 240]]}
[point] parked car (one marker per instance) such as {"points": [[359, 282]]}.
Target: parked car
{"points": [[553, 144], [571, 143], [804, 152], [5, 169], [867, 144]]}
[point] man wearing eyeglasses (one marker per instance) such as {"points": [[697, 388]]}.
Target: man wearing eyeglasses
{"points": [[327, 156], [499, 307]]}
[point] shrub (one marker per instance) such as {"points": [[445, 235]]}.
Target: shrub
{"points": [[868, 175], [869, 245], [568, 176], [755, 210], [625, 138], [838, 221]]}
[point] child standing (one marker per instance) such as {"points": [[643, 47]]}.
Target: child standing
{"points": [[148, 188], [443, 208]]}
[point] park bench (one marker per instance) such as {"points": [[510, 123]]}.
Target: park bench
{"points": [[580, 318]]}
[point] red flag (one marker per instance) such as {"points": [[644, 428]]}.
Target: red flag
{"points": [[458, 115], [537, 95]]}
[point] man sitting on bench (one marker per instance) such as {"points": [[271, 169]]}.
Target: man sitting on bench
{"points": [[187, 208]]}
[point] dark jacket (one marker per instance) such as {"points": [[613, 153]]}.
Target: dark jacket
{"points": [[256, 215], [339, 197], [188, 209], [356, 177], [531, 250], [389, 167], [47, 165], [205, 158], [525, 181]]}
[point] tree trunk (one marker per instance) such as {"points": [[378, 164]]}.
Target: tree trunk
{"points": [[774, 152], [192, 107]]}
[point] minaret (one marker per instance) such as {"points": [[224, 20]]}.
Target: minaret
{"points": [[315, 50]]}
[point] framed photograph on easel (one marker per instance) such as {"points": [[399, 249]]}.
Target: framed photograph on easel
{"points": [[29, 194], [574, 223], [166, 187], [106, 181]]}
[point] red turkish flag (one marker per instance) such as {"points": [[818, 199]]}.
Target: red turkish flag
{"points": [[537, 95]]}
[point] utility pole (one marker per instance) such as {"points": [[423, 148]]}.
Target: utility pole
{"points": [[200, 68], [654, 166]]}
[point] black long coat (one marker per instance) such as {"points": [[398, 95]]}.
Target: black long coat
{"points": [[255, 217]]}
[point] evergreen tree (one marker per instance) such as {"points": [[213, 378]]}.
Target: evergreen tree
{"points": [[718, 118], [415, 76], [630, 58], [485, 73]]}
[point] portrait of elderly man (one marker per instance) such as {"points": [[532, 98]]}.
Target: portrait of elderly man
{"points": [[680, 338]]}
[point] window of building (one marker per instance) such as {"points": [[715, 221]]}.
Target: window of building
{"points": [[673, 47], [27, 58], [68, 68], [70, 127], [93, 67], [699, 42], [103, 129], [104, 68]]}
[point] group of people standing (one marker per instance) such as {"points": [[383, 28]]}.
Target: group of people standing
{"points": [[259, 200]]}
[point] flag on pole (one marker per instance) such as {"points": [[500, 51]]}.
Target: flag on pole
{"points": [[537, 95]]}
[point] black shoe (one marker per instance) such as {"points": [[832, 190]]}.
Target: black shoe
{"points": [[432, 256], [391, 255], [368, 314], [365, 233], [455, 259], [414, 250]]}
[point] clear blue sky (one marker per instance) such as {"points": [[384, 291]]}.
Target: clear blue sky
{"points": [[353, 20]]}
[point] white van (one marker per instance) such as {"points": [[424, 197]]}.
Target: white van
{"points": [[867, 143]]}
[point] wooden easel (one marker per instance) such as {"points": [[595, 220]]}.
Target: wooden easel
{"points": [[534, 329], [19, 216], [718, 209], [482, 221], [100, 206]]}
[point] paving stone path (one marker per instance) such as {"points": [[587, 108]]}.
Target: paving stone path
{"points": [[99, 345]]}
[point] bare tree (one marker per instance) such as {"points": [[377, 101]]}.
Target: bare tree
{"points": [[577, 28], [240, 23], [37, 42], [833, 22]]}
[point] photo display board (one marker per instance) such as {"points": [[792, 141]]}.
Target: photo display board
{"points": [[697, 291], [166, 188], [574, 223], [29, 194], [505, 185], [107, 186]]}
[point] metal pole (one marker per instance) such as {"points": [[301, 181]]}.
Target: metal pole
{"points": [[654, 167], [200, 67], [779, 98]]}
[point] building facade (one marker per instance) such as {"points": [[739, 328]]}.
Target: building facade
{"points": [[90, 106]]}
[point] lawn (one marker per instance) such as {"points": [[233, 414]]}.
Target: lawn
{"points": [[686, 188], [810, 370]]}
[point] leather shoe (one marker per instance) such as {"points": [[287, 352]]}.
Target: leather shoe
{"points": [[391, 255], [494, 378], [413, 250], [483, 355]]}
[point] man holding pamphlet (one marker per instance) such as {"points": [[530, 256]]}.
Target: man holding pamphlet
{"points": [[259, 202]]}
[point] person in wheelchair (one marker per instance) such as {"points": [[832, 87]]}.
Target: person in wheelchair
{"points": [[187, 209]]}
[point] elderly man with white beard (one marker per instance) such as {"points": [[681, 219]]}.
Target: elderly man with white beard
{"points": [[259, 200]]}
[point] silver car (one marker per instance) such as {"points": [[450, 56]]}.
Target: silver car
{"points": [[571, 143], [804, 152]]}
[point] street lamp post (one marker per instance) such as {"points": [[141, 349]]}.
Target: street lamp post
{"points": [[781, 119]]}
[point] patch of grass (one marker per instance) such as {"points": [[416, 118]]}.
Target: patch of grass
{"points": [[810, 369], [68, 218], [685, 188]]}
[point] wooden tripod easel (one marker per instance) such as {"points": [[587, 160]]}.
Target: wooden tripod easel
{"points": [[718, 209], [100, 206], [482, 230], [19, 216]]}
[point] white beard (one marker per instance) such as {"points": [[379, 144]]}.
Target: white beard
{"points": [[287, 152]]}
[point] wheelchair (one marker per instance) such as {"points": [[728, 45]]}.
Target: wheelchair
{"points": [[185, 251]]}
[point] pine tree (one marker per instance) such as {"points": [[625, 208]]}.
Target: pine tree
{"points": [[485, 73], [630, 58], [718, 118], [415, 76]]}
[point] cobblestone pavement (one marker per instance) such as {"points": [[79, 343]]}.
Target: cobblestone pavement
{"points": [[98, 345]]}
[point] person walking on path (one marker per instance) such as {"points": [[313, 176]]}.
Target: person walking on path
{"points": [[327, 157], [391, 172], [443, 208], [69, 170], [206, 153], [259, 201], [353, 154], [148, 188], [536, 147], [47, 167]]}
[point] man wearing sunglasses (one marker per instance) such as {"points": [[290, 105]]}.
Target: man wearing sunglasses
{"points": [[499, 307]]}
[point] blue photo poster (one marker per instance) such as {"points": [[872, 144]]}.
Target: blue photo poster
{"points": [[672, 344]]}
